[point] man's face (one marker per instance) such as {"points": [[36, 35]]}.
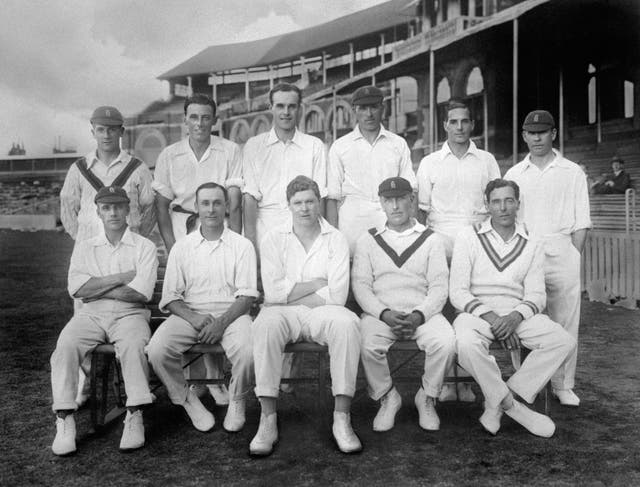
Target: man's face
{"points": [[397, 209], [616, 166], [199, 119], [305, 207], [211, 207], [113, 215], [539, 143], [458, 126], [369, 116], [503, 206], [107, 137], [285, 109]]}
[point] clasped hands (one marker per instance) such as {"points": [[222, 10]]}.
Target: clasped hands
{"points": [[403, 325], [504, 328], [211, 328]]}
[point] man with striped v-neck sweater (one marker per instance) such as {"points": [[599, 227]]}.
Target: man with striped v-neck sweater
{"points": [[497, 283], [400, 279]]}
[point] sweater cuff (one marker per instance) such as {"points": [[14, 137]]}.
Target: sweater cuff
{"points": [[421, 315], [381, 312], [527, 309]]}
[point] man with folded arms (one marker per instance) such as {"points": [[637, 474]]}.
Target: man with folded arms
{"points": [[113, 273], [305, 274], [400, 279], [209, 286], [497, 283]]}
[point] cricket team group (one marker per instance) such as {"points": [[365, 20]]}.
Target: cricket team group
{"points": [[312, 231]]}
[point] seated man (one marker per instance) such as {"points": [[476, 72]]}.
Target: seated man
{"points": [[400, 280], [209, 286], [617, 182], [497, 283], [113, 274], [305, 274]]}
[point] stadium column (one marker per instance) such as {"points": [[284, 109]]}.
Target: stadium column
{"points": [[561, 108], [432, 100], [514, 121]]}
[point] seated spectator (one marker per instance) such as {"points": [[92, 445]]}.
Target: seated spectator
{"points": [[617, 182]]}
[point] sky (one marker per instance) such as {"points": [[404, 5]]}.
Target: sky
{"points": [[63, 58]]}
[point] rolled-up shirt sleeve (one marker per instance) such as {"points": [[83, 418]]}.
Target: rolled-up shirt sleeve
{"points": [[320, 167], [146, 270], [146, 200], [249, 170], [460, 277], [424, 186], [406, 166], [162, 177], [335, 174], [582, 210], [174, 284], [437, 279], [535, 297], [338, 269], [78, 273], [234, 177], [362, 279], [246, 276], [70, 196], [277, 286]]}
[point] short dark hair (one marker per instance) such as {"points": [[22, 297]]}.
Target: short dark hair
{"points": [[200, 99], [302, 183], [454, 104], [501, 183], [617, 159], [285, 87], [212, 185]]}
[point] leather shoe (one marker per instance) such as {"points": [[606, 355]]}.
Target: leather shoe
{"points": [[567, 397], [347, 440], [389, 405]]}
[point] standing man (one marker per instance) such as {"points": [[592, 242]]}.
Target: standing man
{"points": [[272, 159], [114, 274], [555, 209], [451, 185], [209, 286], [358, 162], [400, 279], [451, 181], [180, 169], [187, 164], [305, 273], [497, 284], [108, 165]]}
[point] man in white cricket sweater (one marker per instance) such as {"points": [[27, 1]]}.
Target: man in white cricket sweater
{"points": [[400, 278], [497, 283]]}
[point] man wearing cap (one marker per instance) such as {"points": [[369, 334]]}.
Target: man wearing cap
{"points": [[305, 274], [358, 162], [555, 208], [108, 165], [617, 182], [451, 184], [273, 158], [185, 165], [209, 286], [114, 274], [400, 279]]}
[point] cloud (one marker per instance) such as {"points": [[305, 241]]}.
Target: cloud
{"points": [[62, 58]]}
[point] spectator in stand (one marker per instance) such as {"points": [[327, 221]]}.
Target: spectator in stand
{"points": [[617, 182]]}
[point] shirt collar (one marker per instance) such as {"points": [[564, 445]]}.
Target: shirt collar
{"points": [[446, 150], [297, 138], [127, 239], [486, 227], [197, 239], [558, 161], [416, 228], [92, 158], [185, 148], [325, 226], [357, 134]]}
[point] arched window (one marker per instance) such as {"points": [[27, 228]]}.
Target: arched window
{"points": [[443, 95], [474, 98], [475, 83], [313, 122]]}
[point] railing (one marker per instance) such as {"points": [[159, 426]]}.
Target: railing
{"points": [[631, 219], [38, 207]]}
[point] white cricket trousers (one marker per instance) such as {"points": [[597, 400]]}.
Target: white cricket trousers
{"points": [[356, 216], [176, 336], [435, 337], [548, 342], [127, 330], [562, 280], [330, 325]]}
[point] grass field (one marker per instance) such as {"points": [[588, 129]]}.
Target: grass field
{"points": [[595, 444]]}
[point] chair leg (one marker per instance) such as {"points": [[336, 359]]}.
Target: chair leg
{"points": [[94, 389]]}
